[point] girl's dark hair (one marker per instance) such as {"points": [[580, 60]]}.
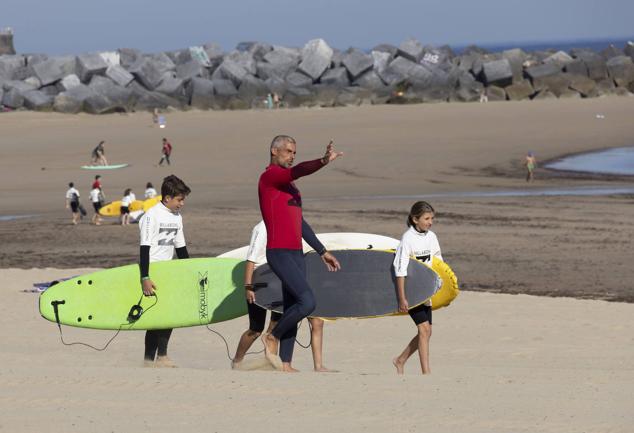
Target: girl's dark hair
{"points": [[127, 191], [71, 184], [173, 186], [149, 185], [417, 210]]}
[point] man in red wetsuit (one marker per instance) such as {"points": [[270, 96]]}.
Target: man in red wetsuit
{"points": [[167, 151], [281, 207]]}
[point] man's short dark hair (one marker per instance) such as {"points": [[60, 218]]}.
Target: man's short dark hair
{"points": [[173, 186]]}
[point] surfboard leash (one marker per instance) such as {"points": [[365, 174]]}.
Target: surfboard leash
{"points": [[136, 317]]}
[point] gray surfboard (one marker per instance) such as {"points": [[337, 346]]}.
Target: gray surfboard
{"points": [[364, 287]]}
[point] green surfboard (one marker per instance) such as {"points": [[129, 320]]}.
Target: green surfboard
{"points": [[190, 292]]}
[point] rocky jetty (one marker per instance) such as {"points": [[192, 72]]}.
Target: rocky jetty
{"points": [[205, 77]]}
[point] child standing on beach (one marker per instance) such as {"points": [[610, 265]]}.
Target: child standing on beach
{"points": [[419, 242], [167, 151], [126, 201], [72, 202], [161, 234], [97, 198], [530, 164], [150, 192]]}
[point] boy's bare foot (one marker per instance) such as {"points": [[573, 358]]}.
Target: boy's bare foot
{"points": [[148, 364], [400, 367], [164, 362], [286, 368], [325, 370], [270, 351]]}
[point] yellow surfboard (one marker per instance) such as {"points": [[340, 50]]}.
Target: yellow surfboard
{"points": [[114, 208], [150, 202], [449, 289]]}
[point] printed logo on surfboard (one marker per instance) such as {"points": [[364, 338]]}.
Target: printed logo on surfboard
{"points": [[203, 290]]}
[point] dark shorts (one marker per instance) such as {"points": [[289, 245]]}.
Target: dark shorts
{"points": [[97, 205], [125, 210], [257, 317], [421, 314], [74, 206]]}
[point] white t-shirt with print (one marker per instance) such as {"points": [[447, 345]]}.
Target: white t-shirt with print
{"points": [[423, 246], [95, 195], [257, 246], [71, 192], [162, 230], [127, 200], [150, 193]]}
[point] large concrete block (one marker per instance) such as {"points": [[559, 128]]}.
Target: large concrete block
{"points": [[172, 86], [399, 70], [12, 98], [412, 50], [542, 71], [89, 65], [201, 93], [111, 57], [560, 58], [259, 49], [231, 70], [577, 67], [214, 51], [621, 70], [253, 91], [336, 77], [9, 65], [516, 58], [225, 87], [370, 80], [495, 94], [20, 86], [381, 61], [325, 95], [33, 81], [119, 75], [597, 69], [108, 97], [191, 69], [519, 91], [468, 89], [392, 50], [36, 100], [267, 70], [557, 84], [337, 58], [357, 62], [544, 95], [129, 56], [148, 72], [72, 100], [244, 60], [146, 100], [295, 79], [276, 85], [316, 58], [54, 69], [298, 97], [611, 51], [498, 72], [582, 84], [68, 82], [283, 55]]}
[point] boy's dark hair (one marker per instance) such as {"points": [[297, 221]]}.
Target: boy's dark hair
{"points": [[149, 185], [127, 191], [98, 177], [417, 210], [71, 184], [173, 186]]}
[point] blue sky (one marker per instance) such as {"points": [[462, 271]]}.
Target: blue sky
{"points": [[75, 26]]}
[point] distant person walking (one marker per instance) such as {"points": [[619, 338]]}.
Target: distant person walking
{"points": [[99, 154], [167, 151], [97, 199], [150, 192], [97, 182], [126, 201], [530, 164], [72, 202]]}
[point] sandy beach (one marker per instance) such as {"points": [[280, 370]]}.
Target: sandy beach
{"points": [[531, 344]]}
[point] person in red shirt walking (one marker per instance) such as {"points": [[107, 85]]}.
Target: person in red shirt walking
{"points": [[281, 207], [167, 151]]}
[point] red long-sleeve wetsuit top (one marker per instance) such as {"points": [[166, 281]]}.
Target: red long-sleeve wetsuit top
{"points": [[281, 203]]}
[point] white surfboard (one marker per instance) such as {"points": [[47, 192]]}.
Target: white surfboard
{"points": [[335, 241]]}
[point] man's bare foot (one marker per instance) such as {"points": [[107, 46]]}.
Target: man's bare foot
{"points": [[148, 364], [400, 367], [236, 365], [286, 368], [270, 351], [164, 362], [325, 370]]}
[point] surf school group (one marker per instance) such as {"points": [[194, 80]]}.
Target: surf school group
{"points": [[277, 241]]}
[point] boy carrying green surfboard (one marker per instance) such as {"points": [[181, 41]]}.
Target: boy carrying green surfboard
{"points": [[161, 234]]}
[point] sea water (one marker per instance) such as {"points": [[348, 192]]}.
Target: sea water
{"points": [[617, 161]]}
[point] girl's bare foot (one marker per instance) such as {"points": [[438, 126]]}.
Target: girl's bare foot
{"points": [[325, 370], [164, 362], [286, 368], [400, 367]]}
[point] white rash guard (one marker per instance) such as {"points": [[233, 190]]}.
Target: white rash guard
{"points": [[415, 244], [162, 231]]}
